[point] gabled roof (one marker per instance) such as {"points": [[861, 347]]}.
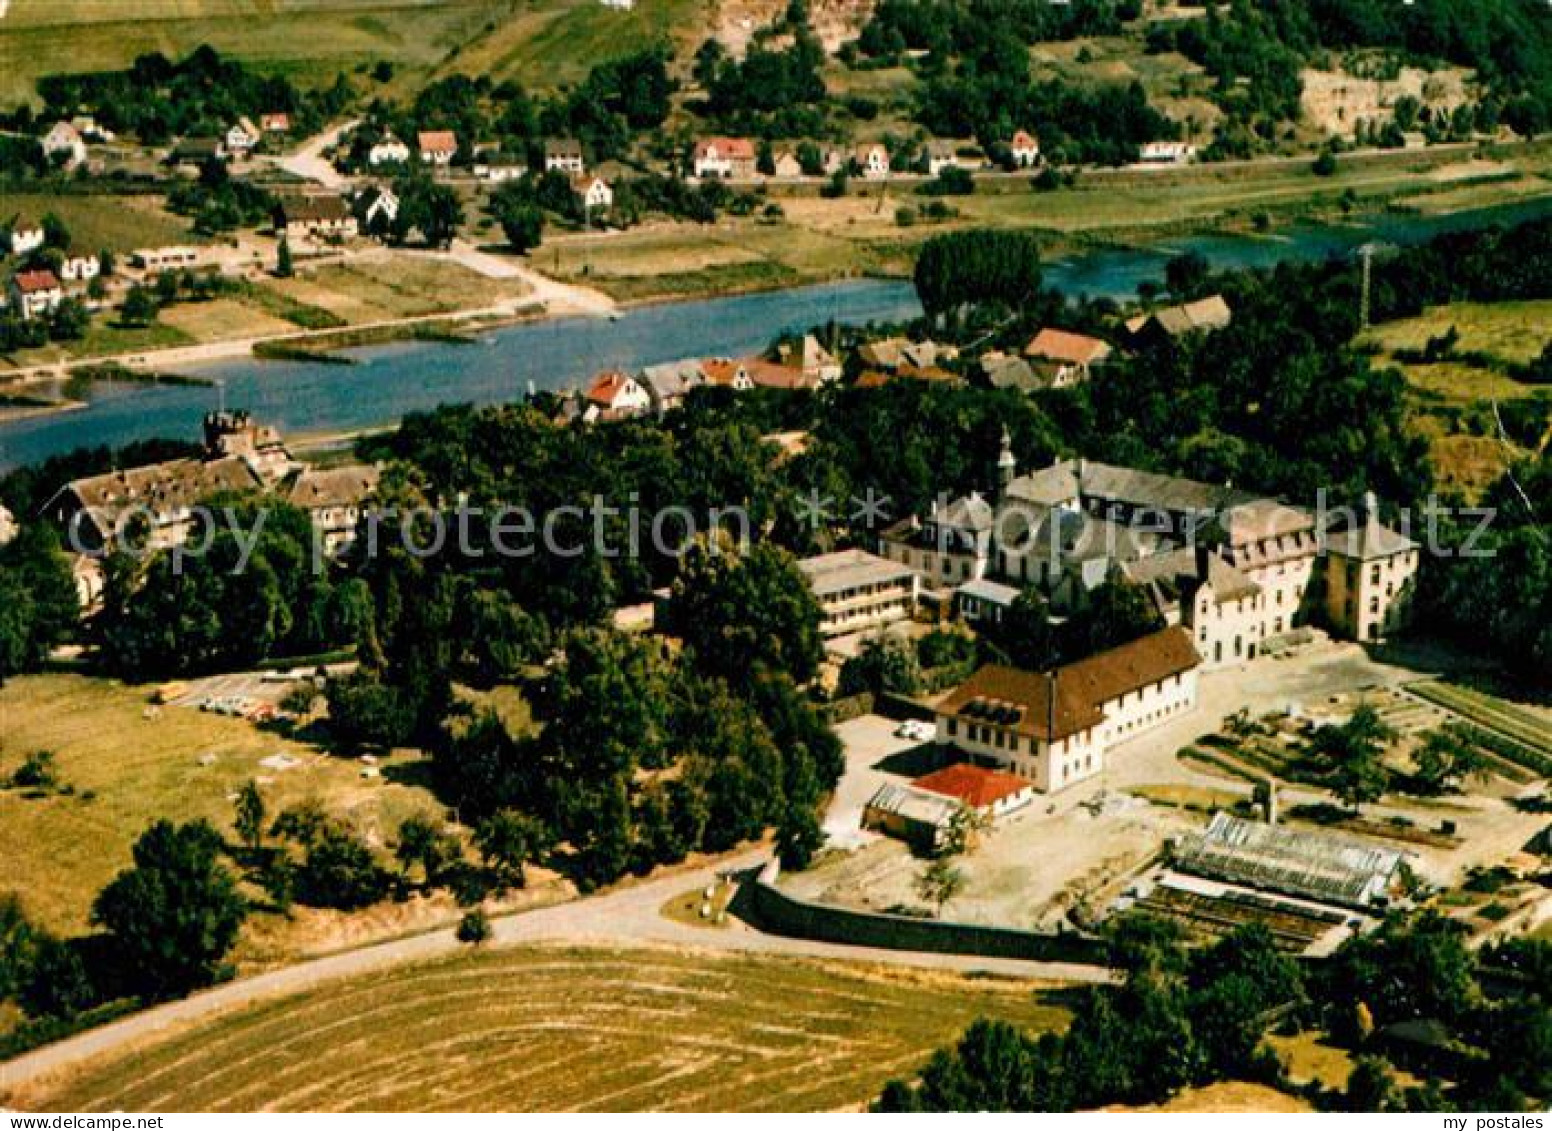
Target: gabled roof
{"points": [[437, 141], [35, 282], [672, 379], [563, 147], [973, 786], [608, 386], [1052, 344], [723, 371], [1023, 139], [1205, 315], [729, 148], [841, 570], [313, 209], [1054, 705]]}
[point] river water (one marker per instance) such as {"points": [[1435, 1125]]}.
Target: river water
{"points": [[392, 380]]}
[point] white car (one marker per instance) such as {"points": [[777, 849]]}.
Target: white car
{"points": [[916, 730]]}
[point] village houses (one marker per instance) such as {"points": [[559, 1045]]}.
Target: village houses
{"points": [[242, 136], [315, 217], [594, 192], [437, 147], [731, 158], [79, 266], [1171, 323], [24, 236], [1025, 149], [389, 150], [564, 155], [1064, 358], [275, 123], [872, 161], [376, 208], [34, 294], [613, 395], [64, 145]]}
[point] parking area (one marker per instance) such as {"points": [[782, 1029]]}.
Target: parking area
{"points": [[875, 754]]}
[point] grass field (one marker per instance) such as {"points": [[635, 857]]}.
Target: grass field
{"points": [[311, 40], [126, 770], [118, 223], [403, 285], [560, 1029]]}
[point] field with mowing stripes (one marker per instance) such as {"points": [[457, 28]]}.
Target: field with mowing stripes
{"points": [[557, 1029]]}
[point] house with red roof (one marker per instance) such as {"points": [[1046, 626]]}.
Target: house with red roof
{"points": [[615, 394], [437, 147], [988, 793], [731, 158], [1064, 358], [1025, 148], [35, 293]]}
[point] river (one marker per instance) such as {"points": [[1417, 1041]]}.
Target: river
{"points": [[390, 381]]}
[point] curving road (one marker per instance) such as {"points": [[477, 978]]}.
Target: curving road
{"points": [[624, 917]]}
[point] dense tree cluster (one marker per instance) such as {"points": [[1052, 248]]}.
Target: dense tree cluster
{"points": [[38, 603], [1178, 1020], [187, 613], [156, 99], [1184, 1019]]}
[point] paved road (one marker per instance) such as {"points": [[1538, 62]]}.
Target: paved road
{"points": [[624, 917]]}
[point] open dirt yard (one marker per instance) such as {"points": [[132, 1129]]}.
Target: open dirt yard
{"points": [[550, 1029]]}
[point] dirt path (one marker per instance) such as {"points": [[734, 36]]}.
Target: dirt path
{"points": [[308, 161], [619, 918]]}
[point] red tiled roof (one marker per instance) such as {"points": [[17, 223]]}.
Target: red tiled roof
{"points": [[1024, 140], [438, 141], [607, 387], [1063, 345], [720, 370], [31, 282], [973, 785], [731, 148]]}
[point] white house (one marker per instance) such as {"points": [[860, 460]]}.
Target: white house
{"points": [[1166, 153], [25, 236], [1025, 148], [941, 155], [564, 154], [242, 136], [615, 394], [731, 158], [8, 527], [64, 139], [873, 161], [78, 267], [389, 151], [595, 192], [154, 260], [377, 205], [35, 293]]}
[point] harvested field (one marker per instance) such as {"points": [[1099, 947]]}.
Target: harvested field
{"points": [[563, 1029]]}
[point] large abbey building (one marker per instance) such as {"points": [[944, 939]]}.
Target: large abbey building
{"points": [[1234, 568]]}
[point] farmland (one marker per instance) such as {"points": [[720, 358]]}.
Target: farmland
{"points": [[563, 1029]]}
